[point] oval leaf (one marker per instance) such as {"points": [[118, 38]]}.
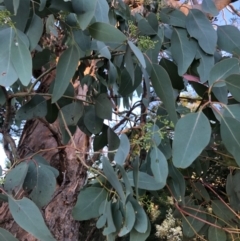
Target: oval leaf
{"points": [[159, 165], [233, 84], [222, 70], [123, 150], [199, 27], [192, 134], [106, 33], [88, 203], [65, 70], [183, 49], [137, 53], [6, 236], [27, 216], [163, 87]]}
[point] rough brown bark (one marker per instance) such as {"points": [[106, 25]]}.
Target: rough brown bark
{"points": [[39, 135]]}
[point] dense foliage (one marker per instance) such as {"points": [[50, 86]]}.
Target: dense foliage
{"points": [[145, 57]]}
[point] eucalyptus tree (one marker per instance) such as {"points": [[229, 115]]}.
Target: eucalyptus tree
{"points": [[67, 69]]}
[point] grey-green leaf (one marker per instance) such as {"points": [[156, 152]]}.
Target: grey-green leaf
{"points": [[228, 38], [192, 134], [233, 84], [27, 216], [8, 74], [222, 70], [199, 27], [112, 178], [6, 236], [34, 31], [36, 107], [137, 53], [65, 70], [88, 203], [183, 49], [106, 33], [123, 150], [230, 133], [216, 234], [129, 221], [103, 107], [209, 6], [21, 59], [159, 165], [145, 181], [15, 178], [163, 87]]}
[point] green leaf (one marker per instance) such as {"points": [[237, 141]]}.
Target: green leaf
{"points": [[110, 224], [199, 27], [173, 17], [153, 21], [228, 38], [101, 11], [191, 225], [93, 123], [83, 39], [112, 178], [136, 236], [34, 31], [222, 70], [123, 150], [162, 85], [159, 165], [178, 181], [145, 181], [155, 135], [88, 203], [222, 211], [86, 10], [15, 6], [65, 70], [201, 191], [103, 50], [232, 111], [128, 61], [216, 234], [172, 70], [41, 181], [127, 86], [6, 236], [129, 221], [137, 53], [117, 214], [27, 216], [8, 74], [71, 113], [230, 134], [206, 62], [36, 107], [192, 134], [113, 143], [106, 33], [209, 6], [221, 93], [42, 4], [127, 185], [21, 59], [103, 107], [141, 222], [183, 49], [233, 84], [145, 28], [15, 178]]}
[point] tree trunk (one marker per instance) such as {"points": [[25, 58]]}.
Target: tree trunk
{"points": [[38, 135]]}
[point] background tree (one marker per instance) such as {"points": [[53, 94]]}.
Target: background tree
{"points": [[69, 71]]}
